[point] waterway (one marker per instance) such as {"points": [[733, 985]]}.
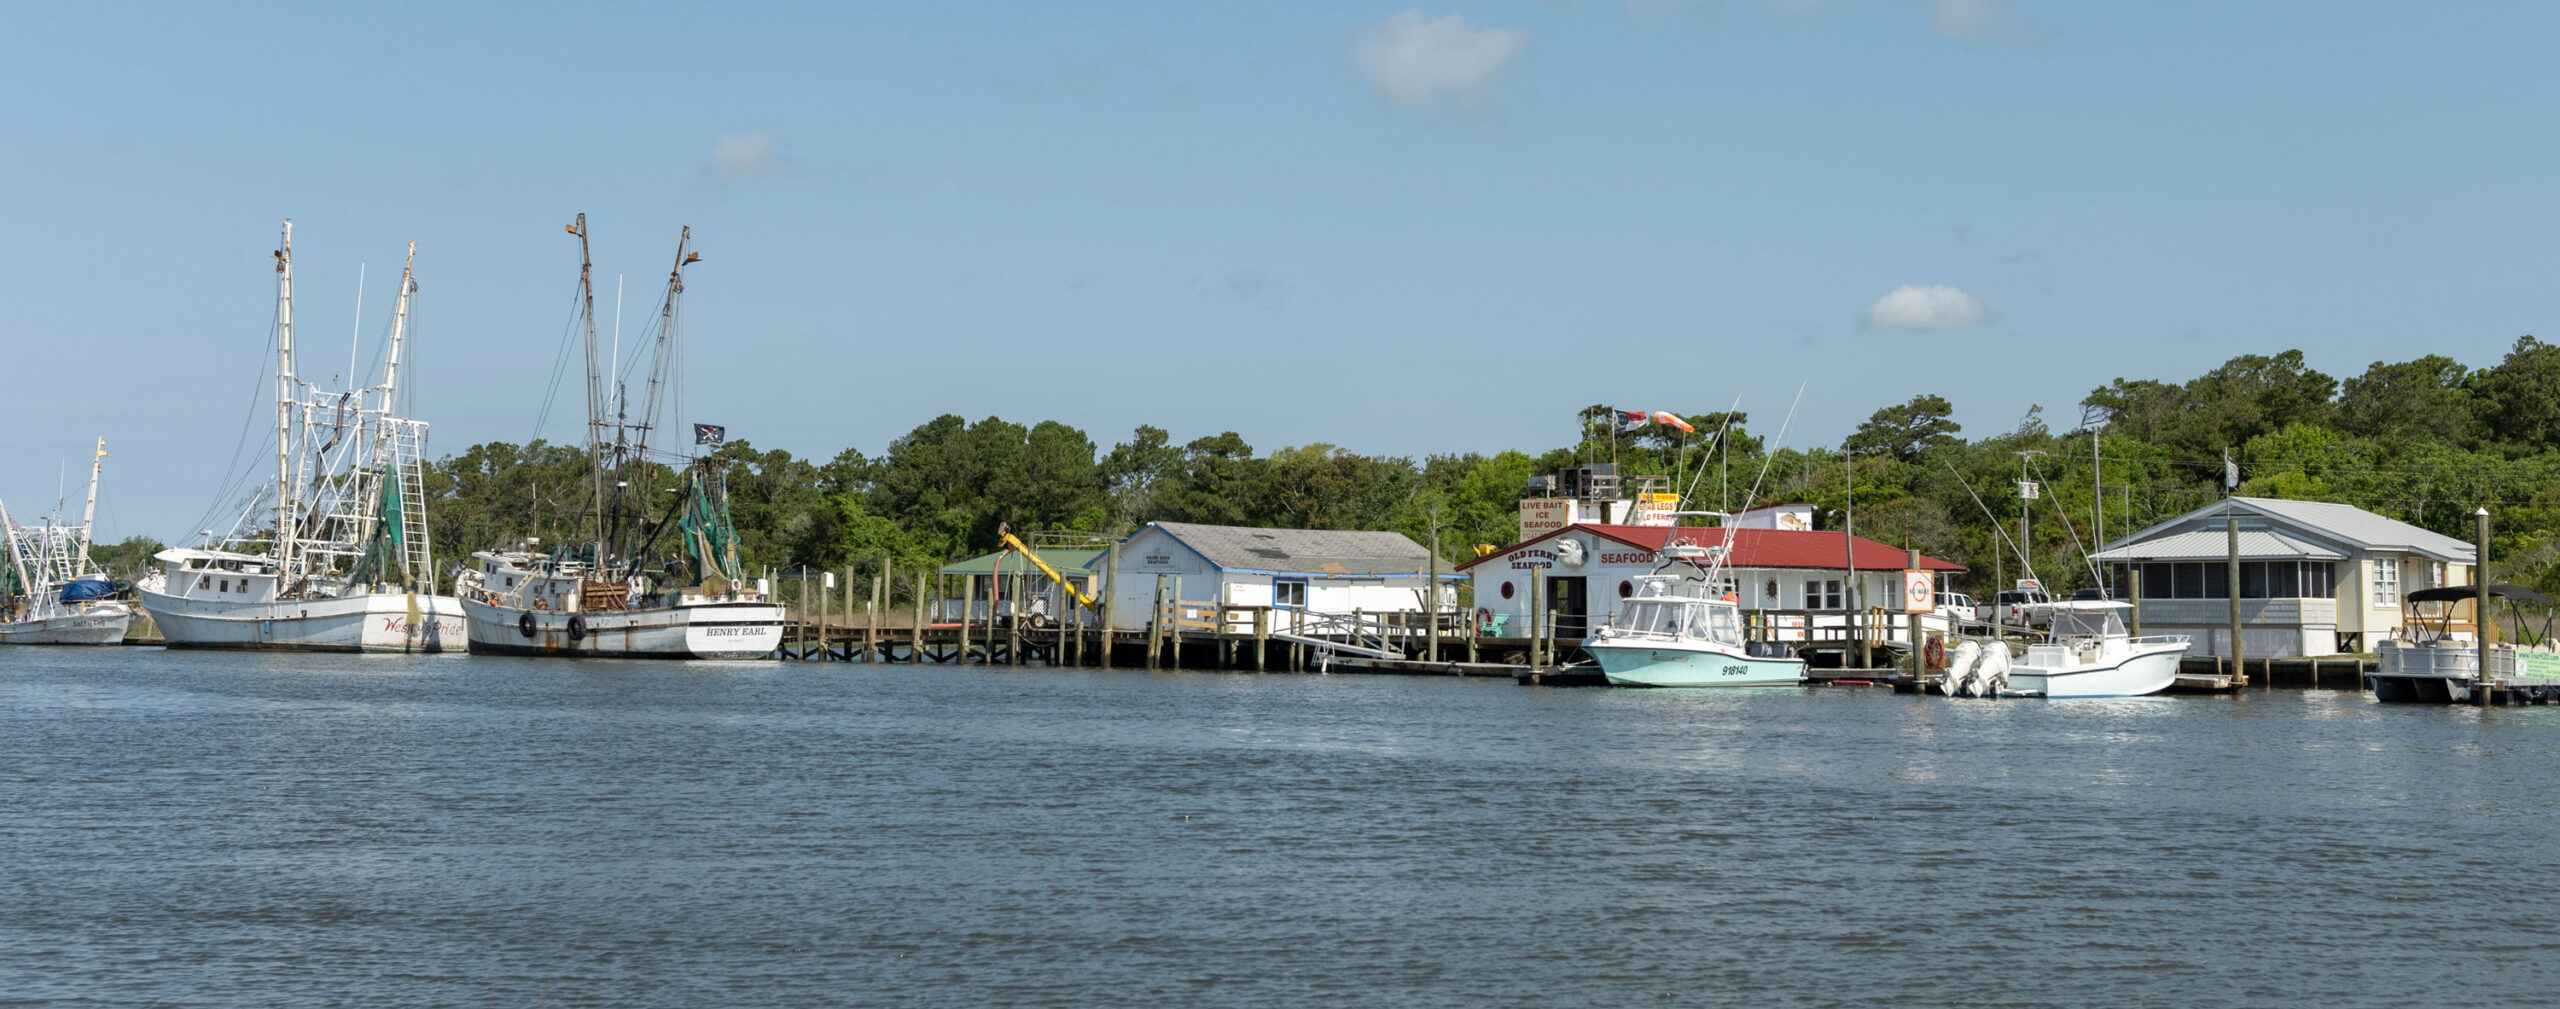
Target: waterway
{"points": [[184, 829]]}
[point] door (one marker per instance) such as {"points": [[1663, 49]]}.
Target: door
{"points": [[1568, 608]]}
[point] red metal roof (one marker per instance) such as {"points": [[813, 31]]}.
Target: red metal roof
{"points": [[1752, 548]]}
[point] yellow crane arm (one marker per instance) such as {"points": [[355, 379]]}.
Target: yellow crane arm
{"points": [[1014, 543]]}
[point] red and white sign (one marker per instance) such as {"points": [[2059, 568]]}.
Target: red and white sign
{"points": [[1919, 592]]}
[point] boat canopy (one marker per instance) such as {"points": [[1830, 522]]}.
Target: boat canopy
{"points": [[2458, 593], [2093, 621], [1676, 617]]}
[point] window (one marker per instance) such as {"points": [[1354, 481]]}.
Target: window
{"points": [[1822, 595], [1507, 590], [1295, 593], [1626, 589], [2217, 581], [2319, 580], [2386, 581], [2186, 581], [204, 581], [226, 585]]}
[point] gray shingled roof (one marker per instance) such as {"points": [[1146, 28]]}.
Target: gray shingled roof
{"points": [[1309, 550], [2215, 544], [2340, 522]]}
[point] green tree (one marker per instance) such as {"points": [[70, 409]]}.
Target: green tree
{"points": [[1904, 432]]}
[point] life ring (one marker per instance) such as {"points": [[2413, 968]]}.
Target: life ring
{"points": [[1934, 656], [577, 627], [1484, 619], [524, 625]]}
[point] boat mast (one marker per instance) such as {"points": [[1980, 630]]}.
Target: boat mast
{"points": [[595, 399], [284, 408], [399, 326], [89, 514]]}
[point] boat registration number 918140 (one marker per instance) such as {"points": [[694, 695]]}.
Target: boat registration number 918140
{"points": [[1735, 671]]}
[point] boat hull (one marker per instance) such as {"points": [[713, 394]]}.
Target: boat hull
{"points": [[371, 622], [718, 630], [2419, 688], [2139, 675], [101, 627], [1640, 666]]}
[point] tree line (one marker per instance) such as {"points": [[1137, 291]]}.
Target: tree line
{"points": [[2425, 441]]}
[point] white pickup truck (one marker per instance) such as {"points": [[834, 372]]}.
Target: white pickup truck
{"points": [[2017, 608]]}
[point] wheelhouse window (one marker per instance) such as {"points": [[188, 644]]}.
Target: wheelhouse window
{"points": [[2386, 581]]}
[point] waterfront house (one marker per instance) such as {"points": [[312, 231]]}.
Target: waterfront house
{"points": [[1296, 572], [2315, 578]]}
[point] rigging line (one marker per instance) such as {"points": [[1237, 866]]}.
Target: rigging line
{"points": [[559, 367], [2065, 514], [2029, 567], [236, 475]]}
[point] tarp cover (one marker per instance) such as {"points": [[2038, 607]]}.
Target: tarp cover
{"points": [[86, 589]]}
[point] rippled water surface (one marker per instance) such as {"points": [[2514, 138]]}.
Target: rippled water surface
{"points": [[210, 829]]}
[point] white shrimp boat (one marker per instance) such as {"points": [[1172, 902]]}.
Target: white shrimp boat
{"points": [[1678, 630], [341, 561], [2089, 654], [645, 587], [57, 595]]}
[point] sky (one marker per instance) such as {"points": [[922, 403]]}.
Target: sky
{"points": [[1395, 229]]}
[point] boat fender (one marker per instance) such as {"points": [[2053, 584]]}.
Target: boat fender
{"points": [[524, 625], [577, 628]]}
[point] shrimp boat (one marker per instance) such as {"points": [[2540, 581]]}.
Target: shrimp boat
{"points": [[642, 588], [2088, 654], [1681, 628], [340, 562], [56, 595]]}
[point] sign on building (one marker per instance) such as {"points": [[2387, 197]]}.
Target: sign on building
{"points": [[1540, 516]]}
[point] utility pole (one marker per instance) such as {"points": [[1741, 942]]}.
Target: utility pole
{"points": [[1849, 548], [2480, 599]]}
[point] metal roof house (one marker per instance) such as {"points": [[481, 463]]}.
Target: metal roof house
{"points": [[1290, 570], [2315, 578]]}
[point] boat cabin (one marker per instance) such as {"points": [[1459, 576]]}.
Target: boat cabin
{"points": [[218, 575]]}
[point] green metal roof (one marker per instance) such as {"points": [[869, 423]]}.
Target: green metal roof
{"points": [[1066, 561]]}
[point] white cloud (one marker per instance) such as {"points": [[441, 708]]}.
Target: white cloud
{"points": [[1977, 21], [741, 155], [1923, 306], [1413, 60]]}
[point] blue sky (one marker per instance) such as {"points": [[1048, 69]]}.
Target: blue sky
{"points": [[1393, 228]]}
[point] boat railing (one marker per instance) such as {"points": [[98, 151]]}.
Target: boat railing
{"points": [[2159, 639]]}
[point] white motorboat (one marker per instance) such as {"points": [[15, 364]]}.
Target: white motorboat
{"points": [[645, 587], [2089, 654], [341, 561], [1679, 628], [56, 595]]}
